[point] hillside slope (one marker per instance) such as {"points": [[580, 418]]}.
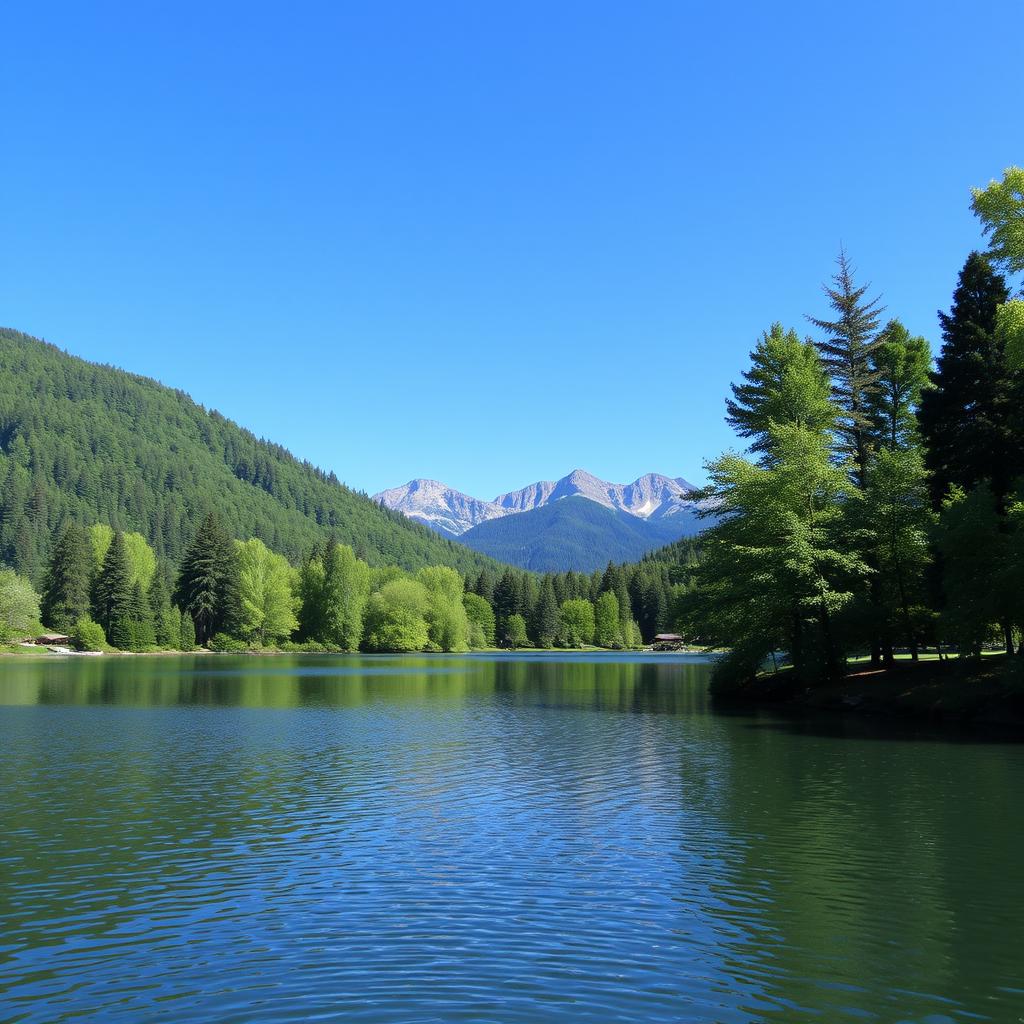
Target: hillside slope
{"points": [[574, 533], [99, 444]]}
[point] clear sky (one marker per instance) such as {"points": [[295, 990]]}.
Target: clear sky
{"points": [[484, 242]]}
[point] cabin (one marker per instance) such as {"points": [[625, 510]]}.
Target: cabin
{"points": [[51, 640], [667, 642]]}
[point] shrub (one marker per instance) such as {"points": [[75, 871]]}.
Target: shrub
{"points": [[224, 643], [89, 636]]}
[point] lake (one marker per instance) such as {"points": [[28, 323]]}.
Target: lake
{"points": [[510, 839]]}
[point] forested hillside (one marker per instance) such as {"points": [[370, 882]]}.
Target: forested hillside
{"points": [[95, 444]]}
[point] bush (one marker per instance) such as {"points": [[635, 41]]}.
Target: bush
{"points": [[303, 647], [228, 644], [89, 636]]}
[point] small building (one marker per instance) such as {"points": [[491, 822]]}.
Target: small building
{"points": [[668, 642], [52, 640]]}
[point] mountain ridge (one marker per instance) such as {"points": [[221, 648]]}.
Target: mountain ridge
{"points": [[453, 513]]}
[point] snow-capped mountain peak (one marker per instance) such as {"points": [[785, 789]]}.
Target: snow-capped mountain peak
{"points": [[651, 496]]}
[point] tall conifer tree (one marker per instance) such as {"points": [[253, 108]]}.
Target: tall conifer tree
{"points": [[967, 418], [207, 586], [851, 340], [112, 599], [65, 597]]}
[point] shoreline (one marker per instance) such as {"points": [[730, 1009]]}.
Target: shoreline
{"points": [[34, 652], [988, 696]]}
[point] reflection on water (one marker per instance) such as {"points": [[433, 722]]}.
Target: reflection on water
{"points": [[486, 839]]}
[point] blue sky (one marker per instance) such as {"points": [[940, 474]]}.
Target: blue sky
{"points": [[484, 242]]}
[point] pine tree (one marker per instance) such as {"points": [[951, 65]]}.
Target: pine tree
{"points": [[207, 587], [112, 601], [545, 621], [902, 365], [850, 343], [506, 599], [786, 383], [65, 597], [311, 597], [143, 634], [166, 632], [967, 417], [188, 632]]}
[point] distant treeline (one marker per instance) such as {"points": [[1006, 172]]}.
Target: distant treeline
{"points": [[106, 588], [882, 504]]}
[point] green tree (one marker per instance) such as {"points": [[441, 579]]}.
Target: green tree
{"points": [[898, 520], [346, 589], [188, 632], [967, 419], [166, 627], [544, 621], [265, 594], [901, 366], [786, 383], [447, 621], [632, 638], [396, 617], [100, 537], [778, 564], [207, 587], [515, 632], [506, 596], [1010, 333], [607, 624], [112, 594], [1000, 208], [481, 620], [141, 559], [312, 610], [65, 596], [141, 630], [847, 351], [577, 622], [19, 606]]}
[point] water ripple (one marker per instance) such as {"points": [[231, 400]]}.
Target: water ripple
{"points": [[514, 841]]}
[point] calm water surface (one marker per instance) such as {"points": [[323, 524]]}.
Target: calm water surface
{"points": [[488, 839]]}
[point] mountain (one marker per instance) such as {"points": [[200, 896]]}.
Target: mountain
{"points": [[452, 513], [575, 533], [442, 508], [649, 496], [101, 445]]}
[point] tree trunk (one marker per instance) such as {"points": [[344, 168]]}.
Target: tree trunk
{"points": [[888, 655], [907, 620], [797, 653], [833, 669]]}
